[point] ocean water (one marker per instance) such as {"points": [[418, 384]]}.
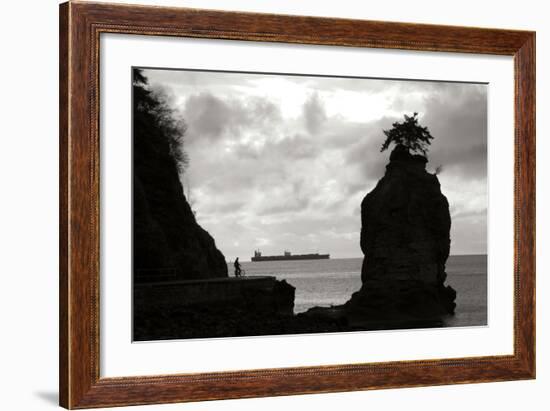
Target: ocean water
{"points": [[332, 282]]}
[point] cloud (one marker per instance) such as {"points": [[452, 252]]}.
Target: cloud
{"points": [[225, 207], [284, 161], [209, 116], [457, 118], [295, 146], [212, 117], [284, 206], [314, 113]]}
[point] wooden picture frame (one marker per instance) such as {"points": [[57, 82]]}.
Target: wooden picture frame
{"points": [[80, 27]]}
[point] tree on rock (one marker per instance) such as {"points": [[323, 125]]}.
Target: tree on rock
{"points": [[410, 134], [153, 112]]}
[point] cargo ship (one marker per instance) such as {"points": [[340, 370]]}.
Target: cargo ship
{"points": [[287, 256]]}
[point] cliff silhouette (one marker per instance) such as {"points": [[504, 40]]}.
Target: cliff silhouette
{"points": [[168, 241]]}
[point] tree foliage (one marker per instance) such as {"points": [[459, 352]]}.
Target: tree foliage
{"points": [[410, 134], [156, 110]]}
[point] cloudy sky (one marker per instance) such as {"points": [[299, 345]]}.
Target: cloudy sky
{"points": [[282, 162]]}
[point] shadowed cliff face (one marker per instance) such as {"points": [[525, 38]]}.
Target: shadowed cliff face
{"points": [[168, 242], [405, 237]]}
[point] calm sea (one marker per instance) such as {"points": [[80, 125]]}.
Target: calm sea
{"points": [[332, 282]]}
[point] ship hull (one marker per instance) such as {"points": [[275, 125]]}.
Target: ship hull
{"points": [[291, 257]]}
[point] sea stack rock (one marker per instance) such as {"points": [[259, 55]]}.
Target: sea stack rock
{"points": [[405, 238]]}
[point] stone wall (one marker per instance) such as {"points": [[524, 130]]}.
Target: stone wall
{"points": [[261, 293]]}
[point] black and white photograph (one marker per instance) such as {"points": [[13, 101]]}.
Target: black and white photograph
{"points": [[281, 203]]}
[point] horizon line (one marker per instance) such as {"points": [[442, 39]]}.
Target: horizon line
{"points": [[351, 258]]}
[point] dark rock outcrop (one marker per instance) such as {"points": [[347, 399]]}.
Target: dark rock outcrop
{"points": [[168, 241], [225, 307], [405, 237]]}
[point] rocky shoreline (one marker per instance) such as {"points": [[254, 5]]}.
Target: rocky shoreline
{"points": [[231, 307]]}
